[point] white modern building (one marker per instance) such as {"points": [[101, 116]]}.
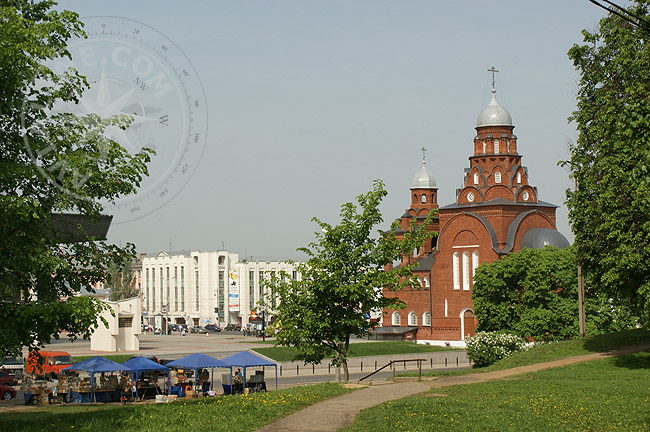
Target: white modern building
{"points": [[121, 333], [199, 288]]}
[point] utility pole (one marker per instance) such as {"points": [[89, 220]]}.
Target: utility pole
{"points": [[581, 287]]}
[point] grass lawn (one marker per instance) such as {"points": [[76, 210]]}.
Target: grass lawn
{"points": [[361, 349], [610, 394], [555, 351], [226, 413]]}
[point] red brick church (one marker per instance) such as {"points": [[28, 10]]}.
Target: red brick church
{"points": [[496, 212]]}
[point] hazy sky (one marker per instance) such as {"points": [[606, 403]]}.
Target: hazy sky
{"points": [[309, 101]]}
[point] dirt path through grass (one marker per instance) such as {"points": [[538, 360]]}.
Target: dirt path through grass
{"points": [[336, 413]]}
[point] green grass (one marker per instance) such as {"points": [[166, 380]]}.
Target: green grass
{"points": [[557, 350], [361, 349], [226, 413], [610, 394]]}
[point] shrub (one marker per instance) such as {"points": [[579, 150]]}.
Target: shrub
{"points": [[489, 347]]}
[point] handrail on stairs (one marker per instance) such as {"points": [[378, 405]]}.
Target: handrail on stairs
{"points": [[392, 363]]}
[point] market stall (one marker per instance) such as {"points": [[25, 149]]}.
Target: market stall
{"points": [[87, 390], [195, 362], [244, 360], [140, 366]]}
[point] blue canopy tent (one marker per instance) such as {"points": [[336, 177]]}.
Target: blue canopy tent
{"points": [[94, 365], [141, 364], [246, 359], [197, 361]]}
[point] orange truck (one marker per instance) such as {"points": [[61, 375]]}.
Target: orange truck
{"points": [[49, 364]]}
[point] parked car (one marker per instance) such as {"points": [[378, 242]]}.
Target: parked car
{"points": [[198, 329], [213, 328], [13, 366], [173, 327], [6, 379], [7, 392], [51, 364], [233, 327]]}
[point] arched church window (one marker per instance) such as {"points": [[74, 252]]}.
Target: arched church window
{"points": [[425, 282], [475, 178], [413, 319], [424, 199], [466, 271], [456, 262], [426, 319], [396, 320], [474, 262], [518, 177], [484, 147], [496, 146], [497, 177]]}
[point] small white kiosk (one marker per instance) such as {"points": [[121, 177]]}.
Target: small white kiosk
{"points": [[124, 326]]}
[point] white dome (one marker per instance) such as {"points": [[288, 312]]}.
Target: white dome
{"points": [[494, 115], [424, 179]]}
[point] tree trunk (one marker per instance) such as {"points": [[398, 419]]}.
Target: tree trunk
{"points": [[346, 372]]}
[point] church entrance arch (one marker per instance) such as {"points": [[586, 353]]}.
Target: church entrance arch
{"points": [[467, 323]]}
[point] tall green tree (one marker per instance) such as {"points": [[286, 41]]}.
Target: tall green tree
{"points": [[610, 209], [342, 281], [533, 293], [121, 280], [51, 163]]}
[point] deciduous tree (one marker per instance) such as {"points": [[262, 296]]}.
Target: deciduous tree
{"points": [[533, 294], [51, 163], [342, 281], [610, 209]]}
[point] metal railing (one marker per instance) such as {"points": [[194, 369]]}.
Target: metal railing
{"points": [[392, 364]]}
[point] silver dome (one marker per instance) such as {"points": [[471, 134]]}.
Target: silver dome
{"points": [[424, 179], [494, 115], [538, 238]]}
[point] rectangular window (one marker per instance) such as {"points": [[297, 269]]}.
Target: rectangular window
{"points": [[182, 288], [153, 289], [251, 290], [146, 284], [124, 322], [465, 271], [175, 288], [474, 262], [167, 288], [273, 289], [162, 299], [294, 275], [221, 290], [456, 262], [261, 285], [196, 290]]}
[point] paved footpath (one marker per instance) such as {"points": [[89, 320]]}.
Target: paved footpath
{"points": [[336, 413]]}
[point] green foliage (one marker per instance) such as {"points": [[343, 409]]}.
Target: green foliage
{"points": [[342, 281], [51, 163], [533, 294], [486, 348], [121, 280], [610, 209]]}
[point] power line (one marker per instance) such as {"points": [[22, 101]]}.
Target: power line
{"points": [[640, 23]]}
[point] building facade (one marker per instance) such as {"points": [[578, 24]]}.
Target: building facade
{"points": [[496, 212], [198, 288]]}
